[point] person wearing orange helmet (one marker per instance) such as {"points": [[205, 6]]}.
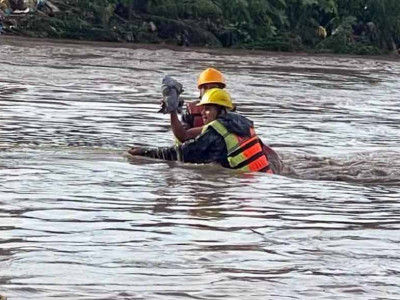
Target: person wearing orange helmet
{"points": [[192, 121], [227, 138], [208, 79]]}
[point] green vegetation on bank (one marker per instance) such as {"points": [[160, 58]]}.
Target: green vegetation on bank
{"points": [[339, 26]]}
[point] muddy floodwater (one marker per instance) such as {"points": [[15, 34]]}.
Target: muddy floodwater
{"points": [[79, 220]]}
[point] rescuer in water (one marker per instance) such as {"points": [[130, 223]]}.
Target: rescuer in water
{"points": [[227, 138], [192, 121]]}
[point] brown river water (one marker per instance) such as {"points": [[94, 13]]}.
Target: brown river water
{"points": [[78, 220]]}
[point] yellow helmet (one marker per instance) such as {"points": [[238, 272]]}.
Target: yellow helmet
{"points": [[217, 97], [211, 75]]}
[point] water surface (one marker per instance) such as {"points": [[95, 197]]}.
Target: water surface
{"points": [[79, 220]]}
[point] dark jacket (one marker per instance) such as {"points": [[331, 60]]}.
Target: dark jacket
{"points": [[207, 147], [210, 146]]}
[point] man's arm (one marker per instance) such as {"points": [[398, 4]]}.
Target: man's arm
{"points": [[180, 132], [206, 148], [167, 153]]}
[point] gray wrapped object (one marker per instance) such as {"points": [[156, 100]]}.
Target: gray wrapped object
{"points": [[171, 89]]}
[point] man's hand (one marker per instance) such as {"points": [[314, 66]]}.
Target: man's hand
{"points": [[163, 108], [136, 151]]}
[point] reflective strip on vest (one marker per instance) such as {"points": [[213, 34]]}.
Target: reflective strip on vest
{"points": [[245, 154], [177, 143]]}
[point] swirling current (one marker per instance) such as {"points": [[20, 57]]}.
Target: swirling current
{"points": [[79, 220]]}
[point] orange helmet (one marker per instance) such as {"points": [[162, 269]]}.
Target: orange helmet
{"points": [[211, 75]]}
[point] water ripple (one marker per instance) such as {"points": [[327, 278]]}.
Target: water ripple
{"points": [[79, 220]]}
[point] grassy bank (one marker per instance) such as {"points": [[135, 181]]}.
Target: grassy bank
{"points": [[354, 26]]}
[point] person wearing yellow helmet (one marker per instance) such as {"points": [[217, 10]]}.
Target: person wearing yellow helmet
{"points": [[227, 138]]}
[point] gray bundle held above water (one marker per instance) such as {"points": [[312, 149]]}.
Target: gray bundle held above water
{"points": [[170, 89]]}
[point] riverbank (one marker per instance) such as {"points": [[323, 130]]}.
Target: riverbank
{"points": [[116, 22], [23, 41]]}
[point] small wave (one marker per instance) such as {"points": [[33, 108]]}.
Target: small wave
{"points": [[381, 167]]}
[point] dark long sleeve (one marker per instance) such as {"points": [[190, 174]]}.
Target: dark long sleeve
{"points": [[166, 153], [206, 148]]}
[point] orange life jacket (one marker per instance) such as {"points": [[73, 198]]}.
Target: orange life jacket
{"points": [[243, 153], [193, 115]]}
